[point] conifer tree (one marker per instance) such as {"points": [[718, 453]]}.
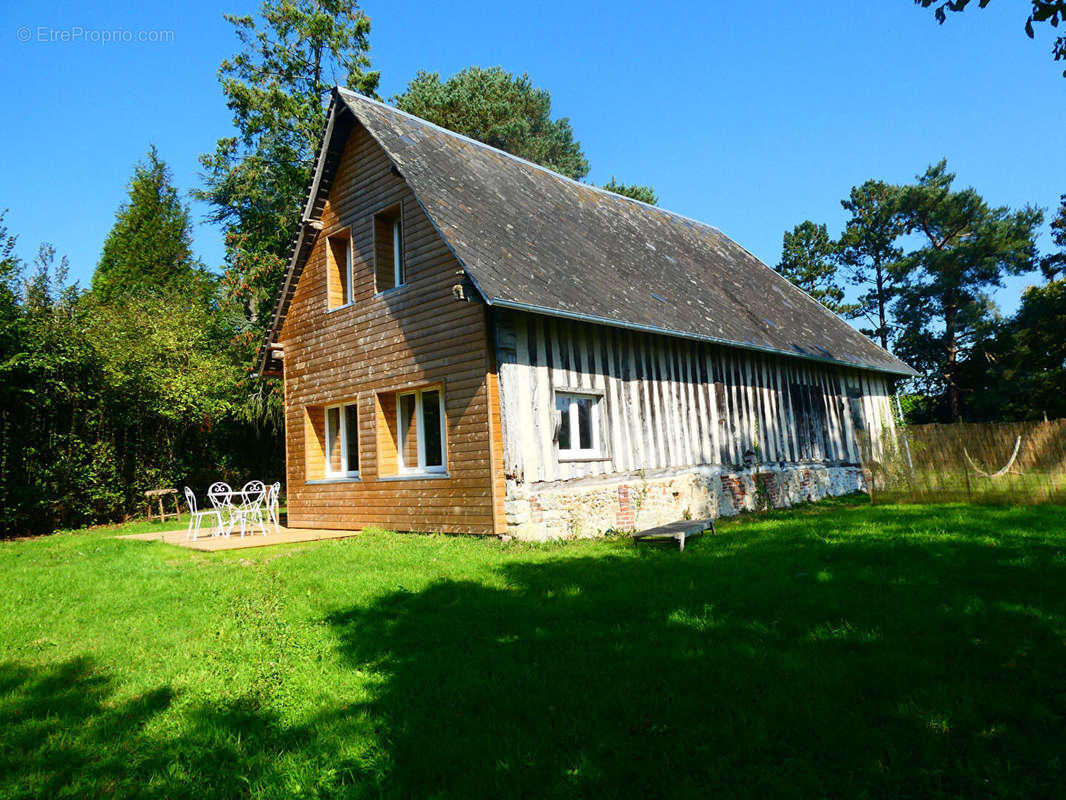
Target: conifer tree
{"points": [[809, 259], [966, 250], [868, 248], [1053, 265], [150, 244], [500, 109], [644, 194]]}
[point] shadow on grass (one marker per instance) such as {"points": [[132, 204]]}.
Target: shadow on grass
{"points": [[778, 665], [63, 733], [796, 659]]}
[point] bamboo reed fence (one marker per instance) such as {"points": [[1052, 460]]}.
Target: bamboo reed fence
{"points": [[1009, 462]]}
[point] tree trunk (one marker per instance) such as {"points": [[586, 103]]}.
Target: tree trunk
{"points": [[882, 326], [952, 348]]}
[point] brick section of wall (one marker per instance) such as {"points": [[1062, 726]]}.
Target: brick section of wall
{"points": [[627, 512]]}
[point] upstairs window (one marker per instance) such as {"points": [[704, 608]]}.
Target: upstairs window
{"points": [[339, 269], [342, 441], [578, 420], [389, 267]]}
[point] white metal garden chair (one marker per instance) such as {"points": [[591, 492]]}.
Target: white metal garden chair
{"points": [[196, 516], [221, 496], [272, 506], [251, 507]]}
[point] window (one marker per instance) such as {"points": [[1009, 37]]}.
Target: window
{"points": [[579, 425], [420, 430], [389, 269], [339, 269], [810, 418], [342, 441], [858, 422]]}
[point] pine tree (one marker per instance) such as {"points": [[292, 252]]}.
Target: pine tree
{"points": [[868, 248], [500, 109], [643, 193], [967, 249], [809, 259], [150, 244], [1054, 264]]}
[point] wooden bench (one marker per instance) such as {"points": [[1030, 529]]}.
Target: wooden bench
{"points": [[158, 495], [681, 530]]}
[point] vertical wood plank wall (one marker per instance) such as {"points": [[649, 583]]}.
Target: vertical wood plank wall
{"points": [[672, 403], [414, 335]]}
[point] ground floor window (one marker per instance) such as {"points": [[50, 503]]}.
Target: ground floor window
{"points": [[412, 432], [331, 440], [578, 418], [342, 441], [420, 422]]}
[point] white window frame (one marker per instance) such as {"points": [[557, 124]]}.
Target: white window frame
{"points": [[421, 468], [575, 452], [344, 472]]}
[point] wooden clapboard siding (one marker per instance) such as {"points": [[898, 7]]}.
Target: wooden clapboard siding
{"points": [[670, 403], [415, 335]]}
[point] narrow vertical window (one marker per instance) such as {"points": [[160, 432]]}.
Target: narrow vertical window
{"points": [[351, 438], [562, 406], [858, 421], [408, 431], [339, 269], [579, 425], [390, 268], [334, 454], [431, 428], [397, 253]]}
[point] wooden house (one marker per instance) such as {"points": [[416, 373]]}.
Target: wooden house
{"points": [[472, 343]]}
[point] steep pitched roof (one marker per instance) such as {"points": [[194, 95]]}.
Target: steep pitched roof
{"points": [[534, 240]]}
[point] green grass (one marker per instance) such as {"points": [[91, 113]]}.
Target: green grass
{"points": [[834, 651]]}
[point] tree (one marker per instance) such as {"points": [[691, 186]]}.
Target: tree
{"points": [[499, 109], [644, 194], [1054, 264], [47, 286], [809, 259], [150, 244], [868, 248], [10, 264], [1050, 11], [256, 181], [967, 249], [1020, 373]]}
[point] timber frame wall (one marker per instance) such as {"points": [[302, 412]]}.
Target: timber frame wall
{"points": [[413, 336], [670, 403]]}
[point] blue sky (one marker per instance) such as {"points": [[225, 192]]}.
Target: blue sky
{"points": [[748, 117]]}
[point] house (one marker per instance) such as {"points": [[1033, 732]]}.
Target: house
{"points": [[471, 343]]}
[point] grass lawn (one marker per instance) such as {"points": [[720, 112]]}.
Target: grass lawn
{"points": [[834, 651]]}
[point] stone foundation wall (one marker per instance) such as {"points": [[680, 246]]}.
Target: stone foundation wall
{"points": [[590, 507]]}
